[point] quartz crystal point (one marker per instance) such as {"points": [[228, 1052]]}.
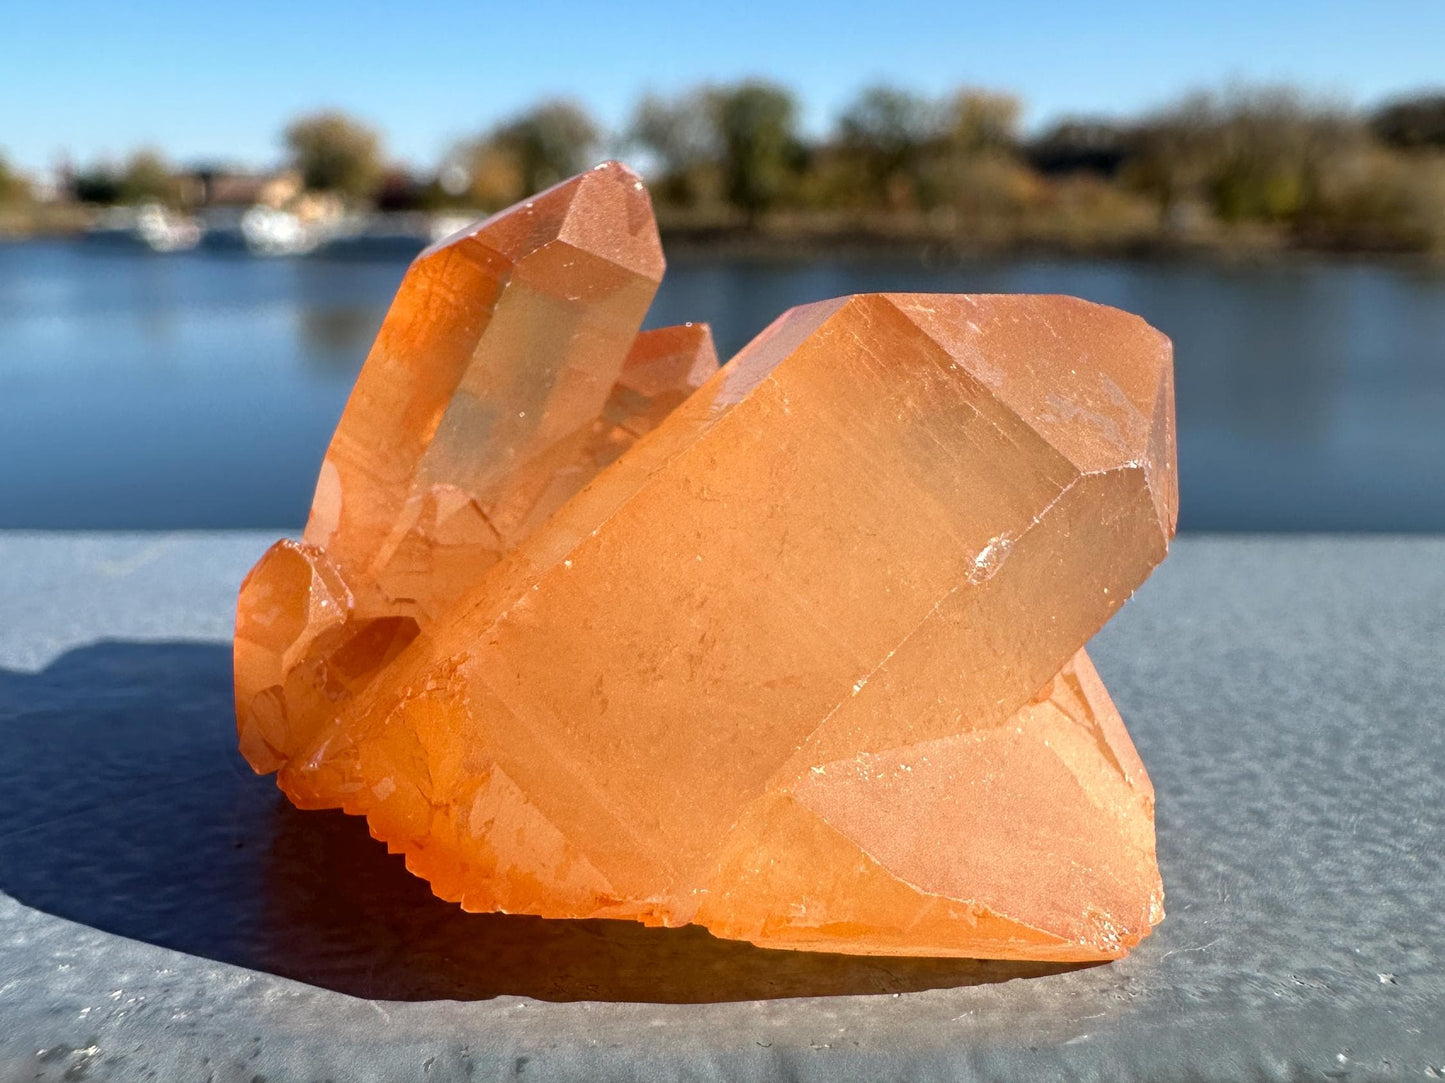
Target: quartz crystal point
{"points": [[516, 342], [792, 649]]}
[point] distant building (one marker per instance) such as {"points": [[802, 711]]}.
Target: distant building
{"points": [[400, 190], [218, 187]]}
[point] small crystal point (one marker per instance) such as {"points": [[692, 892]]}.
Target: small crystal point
{"points": [[791, 649]]}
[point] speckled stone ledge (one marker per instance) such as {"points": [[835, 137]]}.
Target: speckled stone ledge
{"points": [[166, 915]]}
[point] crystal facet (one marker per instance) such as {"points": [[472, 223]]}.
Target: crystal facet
{"points": [[792, 649]]}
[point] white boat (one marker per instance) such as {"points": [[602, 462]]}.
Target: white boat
{"points": [[164, 231], [445, 225], [151, 224], [271, 232]]}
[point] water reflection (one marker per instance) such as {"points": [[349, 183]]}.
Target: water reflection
{"points": [[200, 390], [337, 337], [338, 307]]}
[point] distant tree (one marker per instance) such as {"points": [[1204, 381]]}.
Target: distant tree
{"points": [[982, 120], [13, 186], [523, 155], [480, 173], [890, 132], [1374, 197], [756, 125], [336, 153], [549, 143], [144, 178], [1411, 123], [1251, 154], [682, 136], [974, 166]]}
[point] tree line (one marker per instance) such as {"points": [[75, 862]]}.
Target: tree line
{"points": [[1254, 163]]}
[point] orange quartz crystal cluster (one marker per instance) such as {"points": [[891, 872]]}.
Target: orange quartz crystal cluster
{"points": [[586, 626]]}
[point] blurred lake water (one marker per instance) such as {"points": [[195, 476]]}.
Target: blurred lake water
{"points": [[199, 390]]}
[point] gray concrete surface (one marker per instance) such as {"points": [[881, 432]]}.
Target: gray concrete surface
{"points": [[165, 915]]}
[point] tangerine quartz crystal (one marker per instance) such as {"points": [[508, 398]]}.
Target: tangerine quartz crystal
{"points": [[793, 649]]}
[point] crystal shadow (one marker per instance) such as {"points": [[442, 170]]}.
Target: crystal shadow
{"points": [[126, 807]]}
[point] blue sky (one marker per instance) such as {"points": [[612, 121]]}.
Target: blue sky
{"points": [[207, 80]]}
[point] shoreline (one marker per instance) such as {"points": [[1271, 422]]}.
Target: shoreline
{"points": [[769, 245], [795, 242]]}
